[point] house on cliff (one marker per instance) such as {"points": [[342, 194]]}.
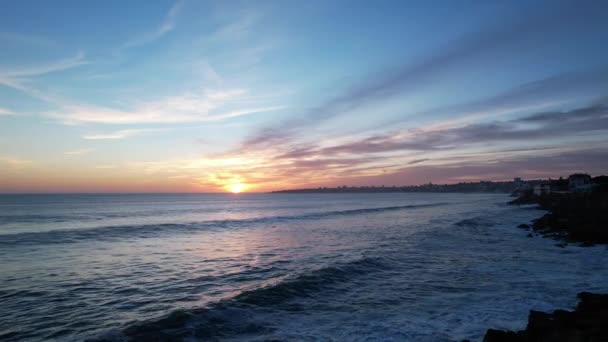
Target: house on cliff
{"points": [[580, 182], [542, 189]]}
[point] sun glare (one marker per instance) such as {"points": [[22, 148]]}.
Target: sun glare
{"points": [[236, 188]]}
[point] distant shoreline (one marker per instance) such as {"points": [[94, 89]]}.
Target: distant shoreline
{"points": [[470, 187]]}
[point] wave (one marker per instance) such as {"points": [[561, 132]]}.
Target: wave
{"points": [[103, 215], [35, 218], [239, 315], [475, 222], [109, 233]]}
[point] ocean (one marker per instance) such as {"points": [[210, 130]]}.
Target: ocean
{"points": [[283, 267]]}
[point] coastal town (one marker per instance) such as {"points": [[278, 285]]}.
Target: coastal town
{"points": [[577, 208], [575, 183]]}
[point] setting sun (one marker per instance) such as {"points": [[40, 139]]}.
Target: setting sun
{"points": [[236, 188]]}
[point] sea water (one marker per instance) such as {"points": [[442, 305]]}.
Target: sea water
{"points": [[296, 267]]}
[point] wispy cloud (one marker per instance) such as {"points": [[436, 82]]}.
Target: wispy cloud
{"points": [[37, 70], [530, 166], [14, 163], [122, 134], [528, 96], [238, 35], [417, 161], [238, 28], [4, 111], [166, 26], [20, 77], [204, 105], [537, 126], [478, 150], [259, 173], [559, 88], [404, 79], [191, 107], [79, 152], [26, 39], [106, 166]]}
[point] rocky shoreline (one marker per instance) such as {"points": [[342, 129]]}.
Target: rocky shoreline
{"points": [[572, 217], [587, 323]]}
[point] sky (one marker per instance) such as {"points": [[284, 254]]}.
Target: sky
{"points": [[206, 96]]}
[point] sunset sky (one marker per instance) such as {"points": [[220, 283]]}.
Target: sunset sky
{"points": [[166, 96]]}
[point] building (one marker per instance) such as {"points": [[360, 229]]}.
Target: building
{"points": [[579, 182], [542, 189]]}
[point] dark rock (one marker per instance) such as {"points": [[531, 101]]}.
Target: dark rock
{"points": [[592, 302], [530, 235], [524, 226], [574, 217], [588, 323], [502, 336]]}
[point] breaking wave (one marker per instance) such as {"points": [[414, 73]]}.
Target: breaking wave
{"points": [[150, 230], [237, 315]]}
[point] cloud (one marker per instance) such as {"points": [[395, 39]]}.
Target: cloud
{"points": [[122, 134], [106, 166], [532, 28], [417, 161], [264, 173], [4, 111], [203, 106], [527, 96], [461, 51], [166, 26], [26, 39], [37, 70], [529, 128], [471, 150], [19, 77], [595, 111], [14, 163], [238, 29], [534, 166], [79, 152], [191, 107], [550, 90]]}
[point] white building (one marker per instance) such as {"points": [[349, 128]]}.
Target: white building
{"points": [[579, 182]]}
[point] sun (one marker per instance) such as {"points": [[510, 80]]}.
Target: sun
{"points": [[236, 187]]}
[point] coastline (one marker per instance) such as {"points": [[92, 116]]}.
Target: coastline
{"points": [[572, 218]]}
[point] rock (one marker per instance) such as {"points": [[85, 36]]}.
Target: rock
{"points": [[588, 323], [574, 217], [530, 235], [524, 226], [591, 302], [502, 336]]}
